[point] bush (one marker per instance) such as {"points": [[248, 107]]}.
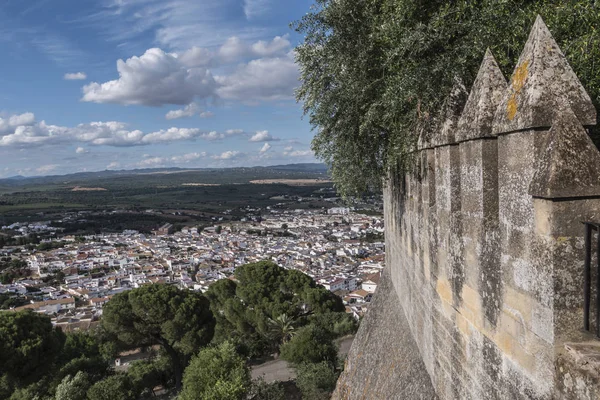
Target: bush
{"points": [[115, 387], [312, 344], [338, 324], [316, 381], [261, 390], [216, 373], [74, 387]]}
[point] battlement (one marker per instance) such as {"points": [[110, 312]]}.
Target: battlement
{"points": [[484, 240]]}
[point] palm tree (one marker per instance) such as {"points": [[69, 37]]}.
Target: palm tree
{"points": [[282, 328]]}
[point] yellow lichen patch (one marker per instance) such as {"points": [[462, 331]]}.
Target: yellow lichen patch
{"points": [[520, 76], [518, 81], [511, 109]]}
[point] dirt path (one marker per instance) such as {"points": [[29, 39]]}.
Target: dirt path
{"points": [[281, 371]]}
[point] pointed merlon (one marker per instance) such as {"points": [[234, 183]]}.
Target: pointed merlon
{"points": [[570, 163], [542, 84], [445, 133], [489, 87]]}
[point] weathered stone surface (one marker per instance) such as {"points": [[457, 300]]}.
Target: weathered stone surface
{"points": [[479, 209], [543, 84], [384, 361], [486, 94], [569, 165], [578, 368]]}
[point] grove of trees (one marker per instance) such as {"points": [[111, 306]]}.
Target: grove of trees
{"points": [[202, 343]]}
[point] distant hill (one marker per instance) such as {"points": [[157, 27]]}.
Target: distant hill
{"points": [[313, 167], [166, 177], [200, 190]]}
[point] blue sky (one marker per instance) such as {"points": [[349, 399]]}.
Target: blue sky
{"points": [[89, 85]]}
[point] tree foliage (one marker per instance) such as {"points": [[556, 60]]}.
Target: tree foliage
{"points": [[145, 375], [114, 387], [338, 324], [29, 346], [312, 344], [266, 299], [316, 381], [374, 71], [38, 361], [74, 387], [179, 321], [282, 328], [216, 373], [261, 390]]}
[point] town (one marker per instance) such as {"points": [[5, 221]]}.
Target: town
{"points": [[70, 278]]}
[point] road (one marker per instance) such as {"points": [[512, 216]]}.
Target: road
{"points": [[281, 371]]}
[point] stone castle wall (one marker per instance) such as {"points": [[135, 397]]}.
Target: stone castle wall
{"points": [[485, 245]]}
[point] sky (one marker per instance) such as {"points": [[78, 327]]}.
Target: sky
{"points": [[90, 85]]}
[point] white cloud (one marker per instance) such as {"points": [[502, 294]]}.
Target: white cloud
{"points": [[255, 8], [22, 130], [187, 111], [75, 76], [228, 155], [289, 148], [197, 57], [11, 123], [81, 150], [171, 135], [265, 148], [157, 77], [301, 153], [113, 165], [280, 45], [263, 136], [35, 134], [235, 49], [214, 135], [233, 132], [185, 158], [44, 169], [264, 79], [152, 162], [174, 24], [153, 79], [111, 133]]}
